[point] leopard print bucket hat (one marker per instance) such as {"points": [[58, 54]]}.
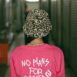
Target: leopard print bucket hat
{"points": [[37, 24]]}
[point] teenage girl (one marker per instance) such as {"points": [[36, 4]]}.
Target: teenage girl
{"points": [[36, 58]]}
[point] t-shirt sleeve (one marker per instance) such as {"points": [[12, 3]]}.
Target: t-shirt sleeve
{"points": [[12, 68], [60, 65]]}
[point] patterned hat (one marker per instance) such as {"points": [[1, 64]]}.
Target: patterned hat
{"points": [[37, 24]]}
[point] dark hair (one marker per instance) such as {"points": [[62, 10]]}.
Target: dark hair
{"points": [[29, 39]]}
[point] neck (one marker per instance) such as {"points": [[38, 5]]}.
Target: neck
{"points": [[36, 41]]}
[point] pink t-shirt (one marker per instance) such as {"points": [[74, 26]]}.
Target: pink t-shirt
{"points": [[43, 60]]}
